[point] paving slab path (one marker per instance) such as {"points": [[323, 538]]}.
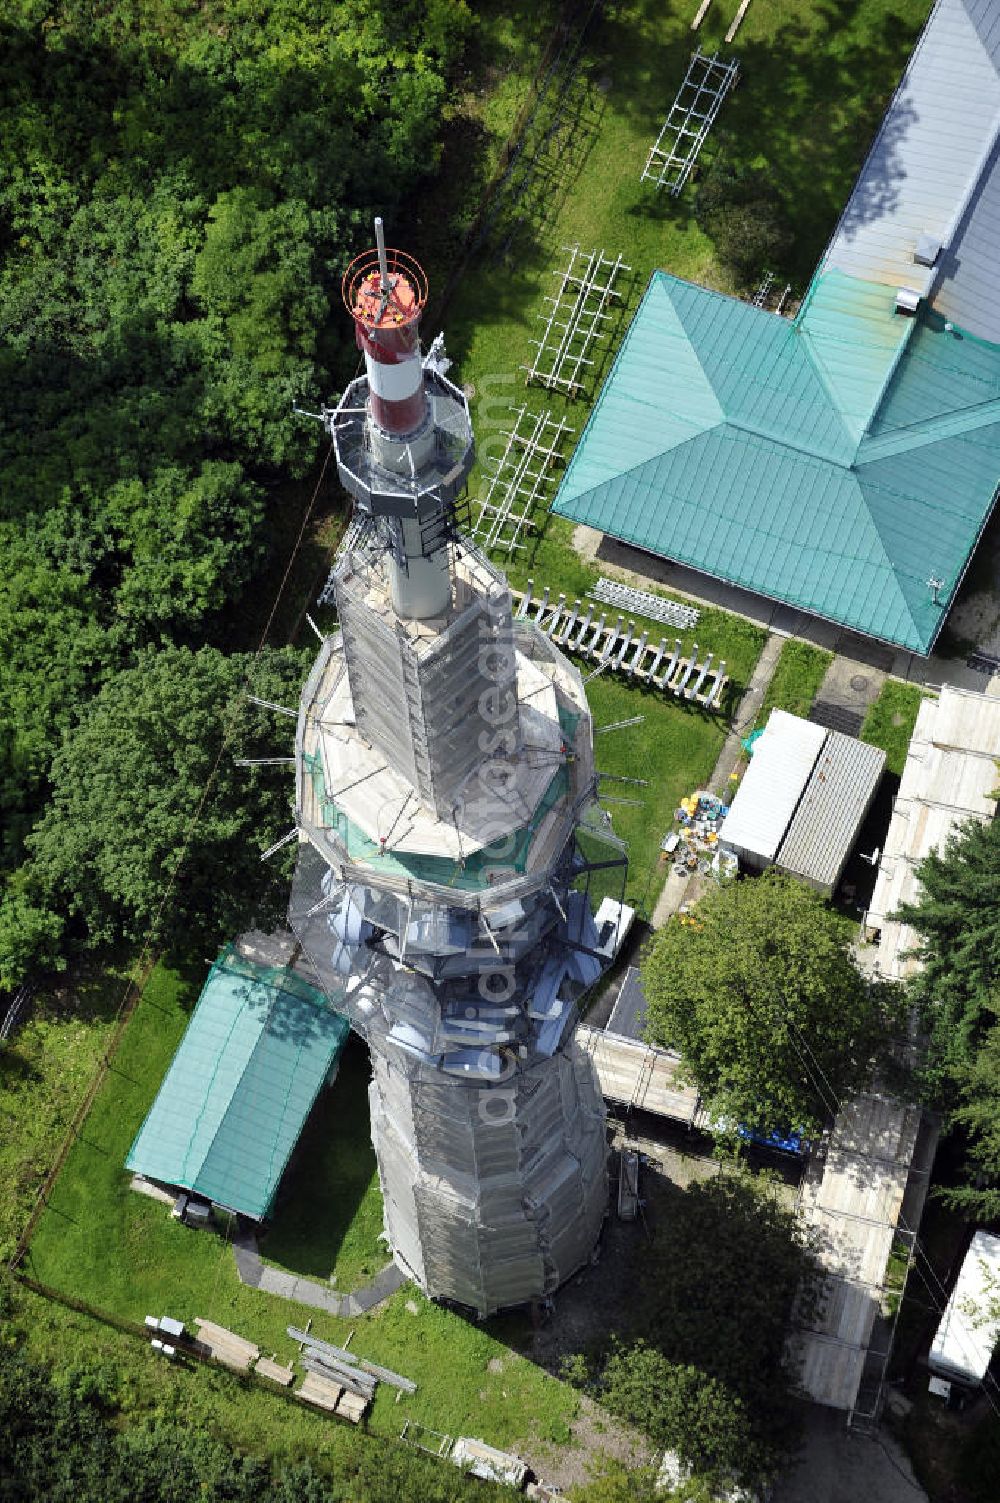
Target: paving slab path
{"points": [[257, 1274], [678, 890]]}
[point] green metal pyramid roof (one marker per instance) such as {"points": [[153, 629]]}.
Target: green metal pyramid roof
{"points": [[836, 463], [258, 1047]]}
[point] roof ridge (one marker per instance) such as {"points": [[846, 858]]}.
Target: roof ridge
{"points": [[927, 431]]}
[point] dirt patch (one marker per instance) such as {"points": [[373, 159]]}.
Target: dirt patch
{"points": [[593, 1435], [601, 1300], [976, 618]]}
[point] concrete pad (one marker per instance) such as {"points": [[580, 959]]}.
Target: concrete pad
{"points": [[836, 1466]]}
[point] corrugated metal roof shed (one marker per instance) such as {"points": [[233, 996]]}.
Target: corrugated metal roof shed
{"points": [[774, 783], [832, 809], [841, 462], [259, 1045]]}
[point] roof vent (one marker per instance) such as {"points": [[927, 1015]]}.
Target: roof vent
{"points": [[927, 250], [907, 300]]}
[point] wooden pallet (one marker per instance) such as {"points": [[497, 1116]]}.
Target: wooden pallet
{"points": [[225, 1346]]}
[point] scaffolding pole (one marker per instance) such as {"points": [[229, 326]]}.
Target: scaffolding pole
{"points": [[671, 159], [521, 479], [578, 314]]}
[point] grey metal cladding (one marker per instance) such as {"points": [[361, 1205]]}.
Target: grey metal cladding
{"points": [[968, 292], [929, 158]]}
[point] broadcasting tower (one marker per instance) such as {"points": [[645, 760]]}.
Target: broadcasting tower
{"points": [[449, 843]]}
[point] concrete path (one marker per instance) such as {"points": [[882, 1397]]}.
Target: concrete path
{"points": [[848, 689], [678, 890], [257, 1274], [837, 1467]]}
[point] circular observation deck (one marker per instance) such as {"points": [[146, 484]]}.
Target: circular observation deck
{"points": [[394, 306]]}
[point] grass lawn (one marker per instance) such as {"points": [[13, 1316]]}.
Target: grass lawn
{"points": [[890, 721], [44, 1070], [101, 1242], [796, 680], [327, 1216]]}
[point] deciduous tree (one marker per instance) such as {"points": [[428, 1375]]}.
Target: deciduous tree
{"points": [[760, 995]]}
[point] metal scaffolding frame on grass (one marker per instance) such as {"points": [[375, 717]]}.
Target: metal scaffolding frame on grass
{"points": [[578, 314], [644, 603], [521, 475], [707, 82]]}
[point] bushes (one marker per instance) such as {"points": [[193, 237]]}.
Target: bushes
{"points": [[741, 212]]}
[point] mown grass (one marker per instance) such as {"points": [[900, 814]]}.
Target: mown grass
{"points": [[44, 1070], [100, 1242], [327, 1218], [796, 680], [890, 721]]}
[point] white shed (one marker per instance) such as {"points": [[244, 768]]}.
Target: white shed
{"points": [[965, 1340], [803, 800]]}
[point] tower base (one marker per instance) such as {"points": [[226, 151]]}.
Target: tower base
{"points": [[494, 1194]]}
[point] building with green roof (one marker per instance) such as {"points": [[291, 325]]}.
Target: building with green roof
{"points": [[259, 1046], [845, 462]]}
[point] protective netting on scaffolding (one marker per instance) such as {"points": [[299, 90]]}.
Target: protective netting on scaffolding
{"points": [[519, 481], [672, 157], [580, 313]]}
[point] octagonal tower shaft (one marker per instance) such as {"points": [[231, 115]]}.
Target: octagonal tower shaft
{"points": [[444, 763]]}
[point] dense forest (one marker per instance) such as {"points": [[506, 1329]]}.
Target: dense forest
{"points": [[180, 188]]}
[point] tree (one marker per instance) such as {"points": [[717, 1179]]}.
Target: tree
{"points": [[956, 916], [957, 920], [700, 1369], [146, 781], [680, 1408], [740, 210], [763, 1001]]}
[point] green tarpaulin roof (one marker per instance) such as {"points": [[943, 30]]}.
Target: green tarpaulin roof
{"points": [[837, 463], [259, 1045]]}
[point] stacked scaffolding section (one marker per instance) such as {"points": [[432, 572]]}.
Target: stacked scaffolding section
{"points": [[459, 947], [579, 313], [672, 157], [448, 824], [518, 487]]}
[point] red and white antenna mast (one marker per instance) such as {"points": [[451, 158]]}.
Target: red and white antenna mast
{"points": [[402, 432]]}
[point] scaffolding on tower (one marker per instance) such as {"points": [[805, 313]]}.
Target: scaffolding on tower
{"points": [[672, 157]]}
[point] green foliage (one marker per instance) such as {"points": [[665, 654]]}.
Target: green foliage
{"points": [[765, 1004], [30, 937], [179, 190], [890, 720], [614, 1483], [957, 919], [740, 210], [146, 780], [796, 680], [979, 1460], [678, 1407], [60, 1438], [977, 1115], [701, 1370]]}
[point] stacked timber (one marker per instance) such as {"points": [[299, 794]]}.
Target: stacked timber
{"points": [[225, 1346]]}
